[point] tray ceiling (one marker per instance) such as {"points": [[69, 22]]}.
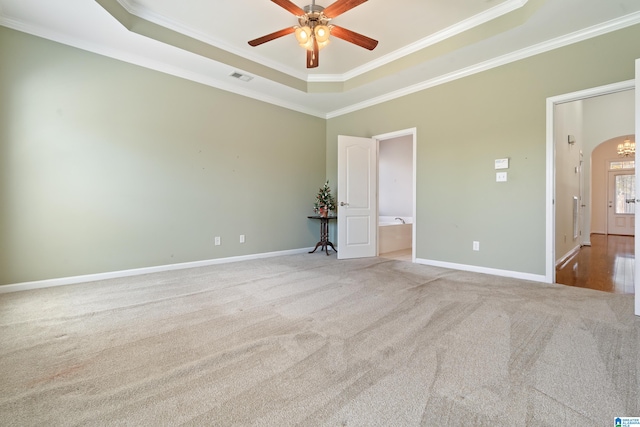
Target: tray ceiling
{"points": [[421, 43]]}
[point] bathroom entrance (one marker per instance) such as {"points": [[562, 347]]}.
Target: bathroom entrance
{"points": [[396, 195]]}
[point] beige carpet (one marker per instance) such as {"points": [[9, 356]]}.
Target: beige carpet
{"points": [[312, 341]]}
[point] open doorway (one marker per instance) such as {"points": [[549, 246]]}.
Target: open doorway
{"points": [[396, 195], [587, 128]]}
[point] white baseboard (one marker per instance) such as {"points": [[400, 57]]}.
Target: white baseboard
{"points": [[568, 256], [39, 284], [484, 270]]}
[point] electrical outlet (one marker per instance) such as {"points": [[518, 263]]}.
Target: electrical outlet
{"points": [[476, 246], [217, 241], [242, 238]]}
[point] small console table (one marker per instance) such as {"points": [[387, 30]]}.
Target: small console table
{"points": [[324, 242]]}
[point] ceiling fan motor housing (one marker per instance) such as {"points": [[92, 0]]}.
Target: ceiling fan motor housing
{"points": [[312, 8], [313, 16]]}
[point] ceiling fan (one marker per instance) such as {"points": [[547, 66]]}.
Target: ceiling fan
{"points": [[314, 29]]}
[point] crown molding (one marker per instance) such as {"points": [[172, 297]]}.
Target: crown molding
{"points": [[148, 15], [569, 39], [454, 30], [155, 65], [578, 36], [495, 12]]}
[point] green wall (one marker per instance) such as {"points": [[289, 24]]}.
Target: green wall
{"points": [[464, 125], [107, 166]]}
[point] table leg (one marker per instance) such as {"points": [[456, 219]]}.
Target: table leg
{"points": [[324, 242]]}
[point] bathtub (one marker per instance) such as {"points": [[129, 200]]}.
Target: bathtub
{"points": [[393, 235]]}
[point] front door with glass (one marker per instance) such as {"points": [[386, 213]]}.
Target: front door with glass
{"points": [[621, 207]]}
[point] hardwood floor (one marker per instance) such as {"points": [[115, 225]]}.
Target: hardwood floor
{"points": [[607, 265]]}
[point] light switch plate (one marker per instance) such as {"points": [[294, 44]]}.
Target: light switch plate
{"points": [[502, 163], [501, 177]]}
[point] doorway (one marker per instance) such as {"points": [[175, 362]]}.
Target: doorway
{"points": [[397, 194], [358, 176], [395, 198], [568, 203]]}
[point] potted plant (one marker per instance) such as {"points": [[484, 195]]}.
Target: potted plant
{"points": [[325, 201]]}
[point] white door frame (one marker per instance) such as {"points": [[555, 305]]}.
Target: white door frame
{"points": [[413, 132], [550, 274]]}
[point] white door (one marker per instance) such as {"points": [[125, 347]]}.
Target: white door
{"points": [[581, 204], [357, 197], [621, 206], [637, 244]]}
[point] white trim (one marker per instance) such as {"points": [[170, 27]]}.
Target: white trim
{"points": [[483, 270], [39, 284], [594, 31], [551, 166], [637, 241], [568, 255], [159, 66], [578, 36], [147, 14], [495, 12], [458, 28], [550, 208]]}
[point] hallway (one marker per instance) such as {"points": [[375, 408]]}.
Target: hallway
{"points": [[607, 265]]}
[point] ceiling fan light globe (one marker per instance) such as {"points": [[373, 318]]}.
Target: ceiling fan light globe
{"points": [[303, 34], [307, 45], [321, 45], [322, 33]]}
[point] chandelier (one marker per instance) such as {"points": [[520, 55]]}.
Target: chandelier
{"points": [[627, 148]]}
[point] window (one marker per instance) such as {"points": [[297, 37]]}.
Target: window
{"points": [[622, 164], [625, 194]]}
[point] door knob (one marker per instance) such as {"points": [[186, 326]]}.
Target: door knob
{"points": [[344, 204]]}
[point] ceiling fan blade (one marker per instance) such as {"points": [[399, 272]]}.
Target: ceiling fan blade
{"points": [[340, 7], [353, 37], [272, 36], [286, 4], [312, 55]]}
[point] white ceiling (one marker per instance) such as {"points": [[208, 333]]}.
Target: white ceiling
{"points": [[422, 43]]}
